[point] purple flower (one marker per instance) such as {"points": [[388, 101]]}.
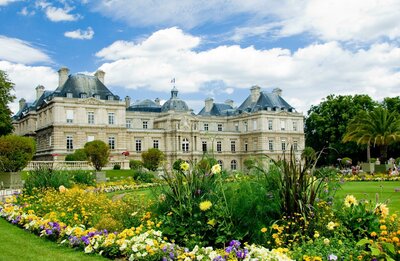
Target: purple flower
{"points": [[85, 240], [49, 231], [332, 257], [234, 243], [228, 249], [164, 259], [171, 255]]}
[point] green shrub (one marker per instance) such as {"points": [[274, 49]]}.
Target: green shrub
{"points": [[143, 176], [78, 155], [44, 177], [177, 164], [117, 167], [398, 161], [83, 177], [135, 164], [152, 158], [346, 161], [372, 160], [15, 152], [98, 153]]}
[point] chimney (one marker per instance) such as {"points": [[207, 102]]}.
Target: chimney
{"points": [[157, 101], [229, 102], [277, 91], [39, 91], [255, 93], [127, 101], [62, 76], [22, 103], [208, 104], [100, 75]]}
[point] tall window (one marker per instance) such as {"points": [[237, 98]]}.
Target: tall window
{"points": [[129, 124], [70, 116], [90, 117], [111, 143], [246, 146], [294, 125], [236, 126], [219, 146], [295, 145], [185, 145], [219, 127], [70, 143], [255, 145], [269, 124], [246, 127], [111, 118], [271, 145], [283, 145], [233, 146], [254, 124], [138, 145], [144, 124], [283, 125], [204, 146], [156, 144], [206, 126], [233, 165]]}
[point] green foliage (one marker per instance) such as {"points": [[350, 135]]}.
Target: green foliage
{"points": [[44, 177], [78, 155], [5, 98], [326, 124], [143, 176], [346, 161], [308, 155], [98, 153], [83, 177], [378, 127], [15, 152], [372, 160], [135, 164], [117, 167], [152, 158], [177, 164]]}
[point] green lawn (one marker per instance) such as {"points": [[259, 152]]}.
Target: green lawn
{"points": [[18, 244], [370, 189]]}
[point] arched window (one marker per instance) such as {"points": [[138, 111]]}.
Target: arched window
{"points": [[233, 165], [220, 163], [185, 145]]}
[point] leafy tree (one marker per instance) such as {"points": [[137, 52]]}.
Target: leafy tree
{"points": [[15, 152], [5, 97], [326, 124], [78, 155], [392, 103], [152, 158], [375, 128], [98, 153], [135, 164]]}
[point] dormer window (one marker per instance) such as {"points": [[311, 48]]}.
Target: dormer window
{"points": [[69, 95], [110, 97], [97, 96], [83, 95]]}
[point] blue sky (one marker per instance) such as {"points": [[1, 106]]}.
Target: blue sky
{"points": [[214, 48]]}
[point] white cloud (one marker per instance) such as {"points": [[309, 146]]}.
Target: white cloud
{"points": [[6, 2], [25, 12], [18, 51], [306, 75], [56, 14], [329, 20], [80, 34], [26, 78]]}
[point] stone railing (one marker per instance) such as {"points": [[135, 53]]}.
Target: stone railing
{"points": [[73, 165]]}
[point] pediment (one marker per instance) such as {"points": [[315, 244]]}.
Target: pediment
{"points": [[92, 100]]}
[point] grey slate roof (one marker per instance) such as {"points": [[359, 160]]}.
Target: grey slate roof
{"points": [[265, 101], [218, 109], [32, 106], [145, 106], [80, 83], [174, 103]]}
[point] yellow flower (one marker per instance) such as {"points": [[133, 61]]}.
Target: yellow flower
{"points": [[350, 200], [316, 234], [326, 241], [382, 209], [216, 169], [264, 229], [205, 205], [212, 222], [373, 234], [62, 189], [383, 227], [185, 166], [331, 225]]}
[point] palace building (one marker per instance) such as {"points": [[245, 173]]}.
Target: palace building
{"points": [[83, 109]]}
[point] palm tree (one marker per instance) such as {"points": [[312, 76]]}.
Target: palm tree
{"points": [[377, 127]]}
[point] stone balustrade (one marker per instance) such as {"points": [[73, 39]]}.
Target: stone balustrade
{"points": [[73, 165]]}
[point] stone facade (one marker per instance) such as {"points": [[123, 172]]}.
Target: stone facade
{"points": [[82, 109]]}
